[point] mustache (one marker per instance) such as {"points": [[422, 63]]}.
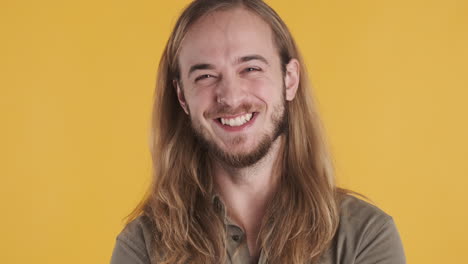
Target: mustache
{"points": [[226, 110]]}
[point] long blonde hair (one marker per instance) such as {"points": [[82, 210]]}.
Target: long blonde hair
{"points": [[188, 226]]}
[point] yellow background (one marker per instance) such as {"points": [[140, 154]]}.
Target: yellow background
{"points": [[77, 78]]}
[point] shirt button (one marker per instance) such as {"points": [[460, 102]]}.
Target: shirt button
{"points": [[236, 238]]}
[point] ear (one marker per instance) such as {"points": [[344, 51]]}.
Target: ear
{"points": [[180, 96], [291, 79]]}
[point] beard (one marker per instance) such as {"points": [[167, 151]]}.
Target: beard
{"points": [[279, 120]]}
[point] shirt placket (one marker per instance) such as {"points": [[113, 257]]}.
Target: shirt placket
{"points": [[237, 248]]}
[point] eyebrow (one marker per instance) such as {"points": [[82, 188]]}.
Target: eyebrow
{"points": [[200, 66], [207, 66], [252, 57]]}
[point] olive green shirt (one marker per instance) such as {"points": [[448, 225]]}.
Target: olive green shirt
{"points": [[365, 235]]}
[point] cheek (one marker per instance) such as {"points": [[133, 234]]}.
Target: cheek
{"points": [[267, 90], [198, 104]]}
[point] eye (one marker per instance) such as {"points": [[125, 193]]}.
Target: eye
{"points": [[251, 69], [204, 76]]}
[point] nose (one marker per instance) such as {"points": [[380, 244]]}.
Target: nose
{"points": [[230, 91]]}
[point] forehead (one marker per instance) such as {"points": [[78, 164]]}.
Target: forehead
{"points": [[223, 36]]}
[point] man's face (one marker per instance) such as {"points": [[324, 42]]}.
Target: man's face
{"points": [[232, 86]]}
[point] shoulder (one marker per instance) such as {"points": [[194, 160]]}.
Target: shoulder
{"points": [[134, 243], [365, 234], [355, 212]]}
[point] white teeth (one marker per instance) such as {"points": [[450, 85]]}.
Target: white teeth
{"points": [[238, 121]]}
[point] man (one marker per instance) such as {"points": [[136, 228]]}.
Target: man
{"points": [[241, 171]]}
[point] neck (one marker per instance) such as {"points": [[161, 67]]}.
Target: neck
{"points": [[247, 191]]}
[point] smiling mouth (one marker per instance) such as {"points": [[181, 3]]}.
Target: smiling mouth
{"points": [[237, 121]]}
